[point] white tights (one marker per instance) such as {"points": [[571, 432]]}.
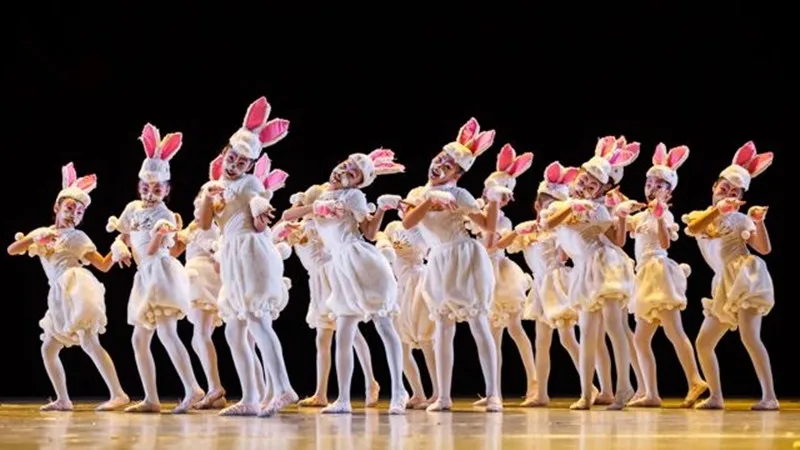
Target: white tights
{"points": [[204, 348], [523, 343], [324, 341], [710, 334], [167, 330], [481, 332], [90, 343], [411, 371]]}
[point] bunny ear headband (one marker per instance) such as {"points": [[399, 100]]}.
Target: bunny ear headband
{"points": [[666, 163], [272, 180], [378, 162], [155, 168], [556, 180], [74, 187], [470, 143], [747, 164], [509, 167], [611, 156], [257, 132]]}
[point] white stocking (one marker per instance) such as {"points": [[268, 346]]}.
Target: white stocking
{"points": [[346, 327], [617, 328], [709, 336], [590, 323], [263, 385], [445, 332], [637, 371], [271, 354], [142, 337], [364, 358], [167, 330], [673, 329], [750, 333], [430, 362], [51, 349], [520, 338], [394, 355], [411, 371], [90, 343], [497, 340], [204, 348], [324, 341], [543, 341], [643, 339], [482, 334], [603, 364], [244, 360], [566, 335]]}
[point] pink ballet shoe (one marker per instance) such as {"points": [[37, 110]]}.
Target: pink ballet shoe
{"points": [[144, 407], [211, 399], [313, 402], [582, 404], [373, 395], [645, 402], [494, 404], [240, 409], [58, 405], [398, 407], [620, 400], [534, 401], [766, 405], [480, 402], [711, 403], [113, 404], [695, 392], [278, 403], [439, 405], [189, 402], [337, 407]]}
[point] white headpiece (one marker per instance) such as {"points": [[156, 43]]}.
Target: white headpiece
{"points": [[469, 144], [665, 164], [622, 145], [155, 168], [74, 187], [509, 167], [609, 159], [747, 164], [556, 181], [256, 132], [378, 162]]}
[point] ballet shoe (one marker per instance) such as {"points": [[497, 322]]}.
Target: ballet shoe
{"points": [[372, 395], [439, 405], [57, 405], [581, 405], [189, 402], [638, 396], [620, 400], [711, 403], [313, 402], [414, 402], [645, 402], [535, 401], [695, 392], [240, 409], [113, 404], [278, 403], [603, 399], [494, 404], [144, 407], [480, 402], [398, 407], [766, 405], [211, 399], [337, 407]]}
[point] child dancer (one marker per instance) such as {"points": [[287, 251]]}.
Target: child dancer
{"points": [[458, 282], [314, 257], [363, 286], [511, 283], [660, 288], [601, 279], [253, 291], [548, 302], [76, 310], [161, 293], [405, 250], [742, 291]]}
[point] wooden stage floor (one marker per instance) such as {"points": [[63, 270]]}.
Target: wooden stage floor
{"points": [[22, 426]]}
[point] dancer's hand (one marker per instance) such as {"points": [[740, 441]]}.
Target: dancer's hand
{"points": [[263, 220], [388, 201], [327, 208], [729, 205], [529, 227], [165, 229], [442, 200], [499, 194], [43, 236], [758, 213], [657, 208], [628, 207]]}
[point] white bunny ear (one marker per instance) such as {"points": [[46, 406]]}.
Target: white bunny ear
{"points": [[677, 156], [68, 175]]}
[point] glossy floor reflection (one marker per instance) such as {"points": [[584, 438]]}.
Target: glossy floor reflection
{"points": [[23, 426]]}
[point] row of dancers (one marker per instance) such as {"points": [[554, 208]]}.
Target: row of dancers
{"points": [[444, 261]]}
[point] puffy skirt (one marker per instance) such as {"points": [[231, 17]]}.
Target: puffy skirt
{"points": [[549, 300], [413, 323], [362, 282], [205, 284], [745, 283], [660, 285], [319, 289], [458, 282], [510, 291], [251, 270], [160, 288], [75, 305], [606, 272]]}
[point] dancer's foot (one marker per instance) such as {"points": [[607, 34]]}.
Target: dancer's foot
{"points": [[535, 401], [595, 394], [116, 402], [144, 407], [494, 404], [337, 407], [278, 403], [621, 399], [212, 398], [240, 409], [583, 404], [315, 401], [603, 398], [640, 394], [398, 407], [695, 391], [440, 405], [770, 404], [415, 402], [58, 405], [480, 402], [372, 395], [711, 403], [645, 402], [189, 402]]}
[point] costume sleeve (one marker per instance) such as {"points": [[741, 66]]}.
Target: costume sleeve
{"points": [[125, 221], [80, 245], [742, 225], [465, 201], [355, 202]]}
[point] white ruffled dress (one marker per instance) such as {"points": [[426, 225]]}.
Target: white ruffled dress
{"points": [[548, 300], [413, 323], [75, 302], [315, 259], [251, 268], [660, 281], [201, 245], [601, 270], [161, 284], [362, 282], [741, 279], [458, 282]]}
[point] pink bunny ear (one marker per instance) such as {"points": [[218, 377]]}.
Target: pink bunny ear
{"points": [[262, 167], [505, 158], [759, 164], [677, 156], [633, 147], [381, 153], [660, 156], [482, 142], [468, 131], [745, 154], [521, 164], [87, 183], [257, 114], [622, 158], [273, 132], [569, 174], [276, 180], [605, 146], [170, 146], [216, 167], [552, 173], [68, 175], [150, 139]]}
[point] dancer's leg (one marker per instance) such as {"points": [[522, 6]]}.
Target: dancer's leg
{"points": [[51, 349], [482, 334], [520, 338], [497, 338], [615, 320], [272, 356], [673, 329], [411, 372], [643, 339], [590, 323], [244, 360], [709, 336], [750, 332], [324, 341], [543, 341], [364, 356], [603, 367], [641, 384], [167, 330], [430, 363], [90, 343], [203, 347], [394, 356], [444, 334], [346, 327], [142, 337]]}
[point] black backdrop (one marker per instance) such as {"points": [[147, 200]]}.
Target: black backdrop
{"points": [[81, 82]]}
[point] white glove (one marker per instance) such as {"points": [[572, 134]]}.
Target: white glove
{"points": [[284, 249], [42, 234], [163, 226], [496, 193], [259, 206], [112, 224], [297, 198], [388, 201], [327, 208], [441, 198], [119, 251]]}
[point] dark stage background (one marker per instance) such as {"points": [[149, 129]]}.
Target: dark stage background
{"points": [[81, 82]]}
